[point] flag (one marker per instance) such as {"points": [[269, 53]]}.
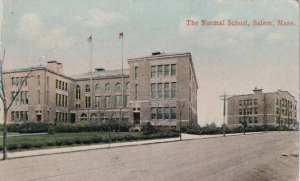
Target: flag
{"points": [[121, 35], [90, 39]]}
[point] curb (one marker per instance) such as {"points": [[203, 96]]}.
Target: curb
{"points": [[177, 139]]}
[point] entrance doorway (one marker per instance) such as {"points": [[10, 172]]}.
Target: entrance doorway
{"points": [[136, 118], [72, 117], [39, 117]]}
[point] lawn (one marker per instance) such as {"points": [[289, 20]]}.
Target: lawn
{"points": [[17, 143]]}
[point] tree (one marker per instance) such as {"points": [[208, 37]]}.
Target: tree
{"points": [[180, 107], [244, 121], [7, 103]]}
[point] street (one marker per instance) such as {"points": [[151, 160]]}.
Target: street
{"points": [[250, 157]]}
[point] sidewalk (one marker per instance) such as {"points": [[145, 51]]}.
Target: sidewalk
{"points": [[113, 145]]}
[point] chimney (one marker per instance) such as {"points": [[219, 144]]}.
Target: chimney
{"points": [[156, 53], [257, 91], [55, 66]]}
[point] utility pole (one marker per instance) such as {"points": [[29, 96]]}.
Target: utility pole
{"points": [[265, 114], [224, 98]]}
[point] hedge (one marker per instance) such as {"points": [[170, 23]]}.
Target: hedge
{"points": [[87, 140], [219, 130], [33, 127]]}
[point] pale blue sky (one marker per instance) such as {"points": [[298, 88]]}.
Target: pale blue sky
{"points": [[231, 59]]}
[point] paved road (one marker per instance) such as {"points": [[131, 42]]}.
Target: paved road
{"points": [[250, 157]]}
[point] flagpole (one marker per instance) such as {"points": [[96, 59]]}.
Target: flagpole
{"points": [[91, 87]]}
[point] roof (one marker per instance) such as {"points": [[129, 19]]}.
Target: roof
{"points": [[25, 69], [161, 55], [37, 68], [262, 93], [158, 55], [103, 74]]}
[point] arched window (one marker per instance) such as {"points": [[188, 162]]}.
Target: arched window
{"points": [[94, 117], [118, 87], [87, 88], [115, 117], [103, 118], [77, 92], [107, 88], [127, 86], [125, 117], [97, 88], [83, 117]]}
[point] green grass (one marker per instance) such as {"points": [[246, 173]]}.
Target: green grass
{"points": [[64, 136], [18, 143]]}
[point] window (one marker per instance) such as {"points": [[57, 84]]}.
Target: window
{"points": [[173, 69], [167, 90], [240, 102], [39, 97], [160, 71], [77, 105], [167, 70], [87, 88], [63, 86], [153, 113], [18, 81], [103, 117], [255, 101], [127, 86], [119, 101], [125, 117], [153, 71], [135, 91], [160, 113], [107, 101], [87, 101], [255, 120], [136, 72], [12, 116], [240, 111], [115, 117], [97, 101], [83, 117], [107, 87], [78, 92], [26, 97], [59, 84], [167, 113], [66, 101], [66, 87], [153, 91], [13, 80], [173, 89], [97, 88], [38, 79], [94, 117], [160, 88], [125, 102], [56, 99], [250, 119], [173, 113], [255, 110], [118, 87], [56, 84]]}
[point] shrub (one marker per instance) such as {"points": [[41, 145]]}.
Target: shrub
{"points": [[25, 145], [148, 128], [12, 146]]}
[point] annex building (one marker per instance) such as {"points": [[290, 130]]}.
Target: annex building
{"points": [[272, 108], [159, 89]]}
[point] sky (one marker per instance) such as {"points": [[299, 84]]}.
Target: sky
{"points": [[226, 59]]}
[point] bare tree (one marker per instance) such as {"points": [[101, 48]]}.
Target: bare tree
{"points": [[7, 103], [244, 121], [180, 107]]}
